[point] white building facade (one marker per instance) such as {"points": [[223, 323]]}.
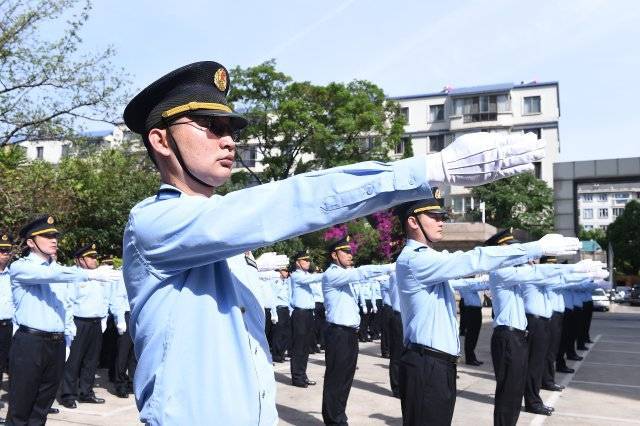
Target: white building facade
{"points": [[599, 204], [434, 120]]}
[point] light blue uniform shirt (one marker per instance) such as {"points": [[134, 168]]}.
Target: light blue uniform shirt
{"points": [[384, 290], [301, 292], [339, 293], [265, 292], [281, 291], [41, 295], [365, 293], [316, 289], [6, 297], [94, 299], [470, 293], [393, 291], [555, 299], [376, 291], [121, 295], [427, 300], [195, 364]]}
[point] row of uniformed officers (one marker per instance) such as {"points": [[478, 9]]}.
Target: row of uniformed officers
{"points": [[52, 320]]}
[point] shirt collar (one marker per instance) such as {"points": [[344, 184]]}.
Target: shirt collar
{"points": [[36, 258], [414, 244]]}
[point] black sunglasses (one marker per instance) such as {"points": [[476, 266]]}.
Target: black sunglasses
{"points": [[215, 125]]}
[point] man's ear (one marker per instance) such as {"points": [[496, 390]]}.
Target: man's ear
{"points": [[31, 244], [159, 142], [334, 256], [412, 222]]}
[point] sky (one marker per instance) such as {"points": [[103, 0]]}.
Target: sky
{"points": [[591, 47]]}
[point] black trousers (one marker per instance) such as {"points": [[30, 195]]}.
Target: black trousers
{"points": [[509, 355], [588, 313], [281, 335], [109, 348], [564, 338], [341, 357], [386, 317], [376, 320], [6, 333], [575, 325], [268, 326], [461, 310], [319, 324], [473, 322], [36, 365], [365, 322], [555, 333], [538, 340], [396, 346], [125, 363], [302, 338], [80, 368], [427, 389]]}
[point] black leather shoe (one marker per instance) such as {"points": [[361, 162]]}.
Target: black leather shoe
{"points": [[278, 359], [386, 356], [538, 410], [589, 341], [70, 403], [122, 393], [582, 348], [474, 362], [53, 411], [310, 382], [91, 399], [550, 408], [575, 358], [299, 384], [565, 370], [553, 387]]}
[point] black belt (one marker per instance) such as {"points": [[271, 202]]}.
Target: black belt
{"points": [[304, 309], [540, 317], [426, 350], [93, 320], [46, 334], [344, 327], [472, 307], [509, 328], [282, 307]]}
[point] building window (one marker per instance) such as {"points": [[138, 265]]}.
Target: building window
{"points": [[587, 213], [477, 108], [457, 204], [399, 149], [588, 227], [436, 113], [248, 154], [531, 105], [66, 150], [617, 211], [537, 169], [603, 213], [602, 197], [537, 131], [40, 152], [604, 227], [405, 113], [436, 143], [587, 197]]}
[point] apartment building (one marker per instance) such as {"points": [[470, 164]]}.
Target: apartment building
{"points": [[599, 204], [434, 120]]}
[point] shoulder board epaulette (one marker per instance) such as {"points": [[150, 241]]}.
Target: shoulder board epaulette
{"points": [[421, 248], [167, 193], [251, 262]]}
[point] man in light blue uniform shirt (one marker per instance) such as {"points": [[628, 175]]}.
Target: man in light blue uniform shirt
{"points": [[91, 301], [367, 309], [125, 360], [281, 288], [7, 307], [43, 314], [428, 308], [471, 315], [187, 320], [302, 329], [341, 354], [319, 317]]}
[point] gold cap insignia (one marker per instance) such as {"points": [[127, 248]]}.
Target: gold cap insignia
{"points": [[5, 238], [437, 193], [511, 230], [93, 246], [348, 238], [220, 79], [50, 220]]}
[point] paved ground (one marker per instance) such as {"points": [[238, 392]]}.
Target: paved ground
{"points": [[605, 390]]}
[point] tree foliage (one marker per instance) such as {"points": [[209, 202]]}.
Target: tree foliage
{"points": [[521, 201], [90, 196], [624, 235], [47, 86], [300, 126], [597, 234]]}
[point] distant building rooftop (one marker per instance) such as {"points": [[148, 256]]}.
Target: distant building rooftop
{"points": [[476, 90]]}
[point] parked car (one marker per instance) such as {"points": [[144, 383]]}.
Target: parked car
{"points": [[600, 300], [634, 296]]}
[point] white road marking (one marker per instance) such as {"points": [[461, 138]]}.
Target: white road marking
{"points": [[609, 420], [606, 384], [611, 365]]}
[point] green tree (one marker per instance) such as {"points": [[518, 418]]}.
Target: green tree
{"points": [[333, 125], [597, 234], [624, 235], [521, 201], [47, 86]]}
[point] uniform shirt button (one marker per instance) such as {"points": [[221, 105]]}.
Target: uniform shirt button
{"points": [[411, 181], [263, 394], [243, 309], [369, 190]]}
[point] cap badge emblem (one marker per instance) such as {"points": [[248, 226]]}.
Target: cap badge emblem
{"points": [[220, 79], [5, 238], [50, 220]]}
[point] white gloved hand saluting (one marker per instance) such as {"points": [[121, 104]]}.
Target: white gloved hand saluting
{"points": [[103, 274], [478, 158], [588, 265], [558, 245], [599, 274]]}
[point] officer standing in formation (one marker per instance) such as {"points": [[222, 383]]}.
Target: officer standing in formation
{"points": [[44, 318], [6, 305], [90, 303], [428, 366], [281, 333], [471, 316], [341, 354], [177, 244], [302, 320]]}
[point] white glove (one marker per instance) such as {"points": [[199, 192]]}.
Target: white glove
{"points": [[364, 309], [599, 274], [103, 324], [103, 274], [274, 319], [588, 265], [478, 158], [122, 328], [67, 346], [374, 310], [67, 352], [557, 245]]}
